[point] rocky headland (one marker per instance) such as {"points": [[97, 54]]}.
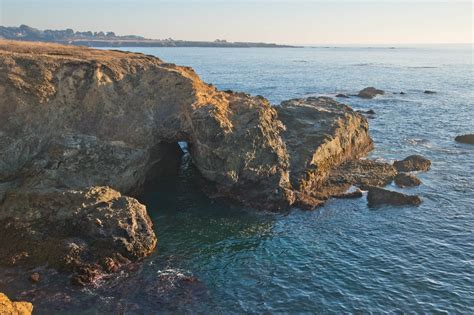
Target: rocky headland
{"points": [[82, 131]]}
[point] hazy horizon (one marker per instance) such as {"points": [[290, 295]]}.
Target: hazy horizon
{"points": [[348, 22]]}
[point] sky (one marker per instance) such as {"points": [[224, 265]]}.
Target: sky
{"points": [[290, 21]]}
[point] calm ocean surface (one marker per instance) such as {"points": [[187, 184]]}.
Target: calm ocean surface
{"points": [[343, 257]]}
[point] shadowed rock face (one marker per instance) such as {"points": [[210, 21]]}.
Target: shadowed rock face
{"points": [[75, 121]]}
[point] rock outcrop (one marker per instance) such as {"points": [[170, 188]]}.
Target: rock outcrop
{"points": [[80, 129], [406, 180], [370, 92], [467, 138], [88, 232], [8, 307], [413, 163], [379, 196]]}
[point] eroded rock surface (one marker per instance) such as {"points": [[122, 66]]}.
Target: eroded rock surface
{"points": [[80, 127], [8, 307]]}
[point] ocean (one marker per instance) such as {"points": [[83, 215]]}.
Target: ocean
{"points": [[216, 257]]}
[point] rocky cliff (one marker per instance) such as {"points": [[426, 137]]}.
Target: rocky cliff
{"points": [[80, 127]]}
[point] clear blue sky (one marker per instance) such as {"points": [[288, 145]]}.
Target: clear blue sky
{"points": [[291, 21]]}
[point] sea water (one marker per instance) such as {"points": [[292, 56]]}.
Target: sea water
{"points": [[215, 257]]}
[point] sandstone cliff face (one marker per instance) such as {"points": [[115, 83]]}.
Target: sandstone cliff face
{"points": [[76, 121]]}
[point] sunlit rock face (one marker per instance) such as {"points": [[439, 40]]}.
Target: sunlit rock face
{"points": [[8, 307], [75, 120]]}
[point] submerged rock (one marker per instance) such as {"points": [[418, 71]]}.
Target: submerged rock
{"points": [[406, 180], [413, 163], [467, 139], [429, 92], [340, 95], [379, 196], [8, 307], [370, 92]]}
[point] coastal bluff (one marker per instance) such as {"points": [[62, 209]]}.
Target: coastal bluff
{"points": [[83, 130]]}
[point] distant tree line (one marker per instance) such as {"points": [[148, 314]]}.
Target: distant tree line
{"points": [[25, 32], [110, 39]]}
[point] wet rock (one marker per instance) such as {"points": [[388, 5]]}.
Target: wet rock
{"points": [[350, 195], [8, 307], [429, 92], [367, 112], [307, 202], [340, 95], [35, 277], [379, 196], [406, 180], [467, 139], [370, 92], [413, 163]]}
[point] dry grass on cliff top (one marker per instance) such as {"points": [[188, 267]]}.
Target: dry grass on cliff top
{"points": [[8, 47]]}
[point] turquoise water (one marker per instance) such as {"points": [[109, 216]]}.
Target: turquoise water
{"points": [[215, 257]]}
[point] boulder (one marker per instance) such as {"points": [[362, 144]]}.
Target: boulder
{"points": [[35, 277], [8, 307], [413, 163], [370, 92], [406, 180], [379, 196], [467, 139], [74, 230]]}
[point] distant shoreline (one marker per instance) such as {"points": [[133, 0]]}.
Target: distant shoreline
{"points": [[174, 44], [110, 39]]}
